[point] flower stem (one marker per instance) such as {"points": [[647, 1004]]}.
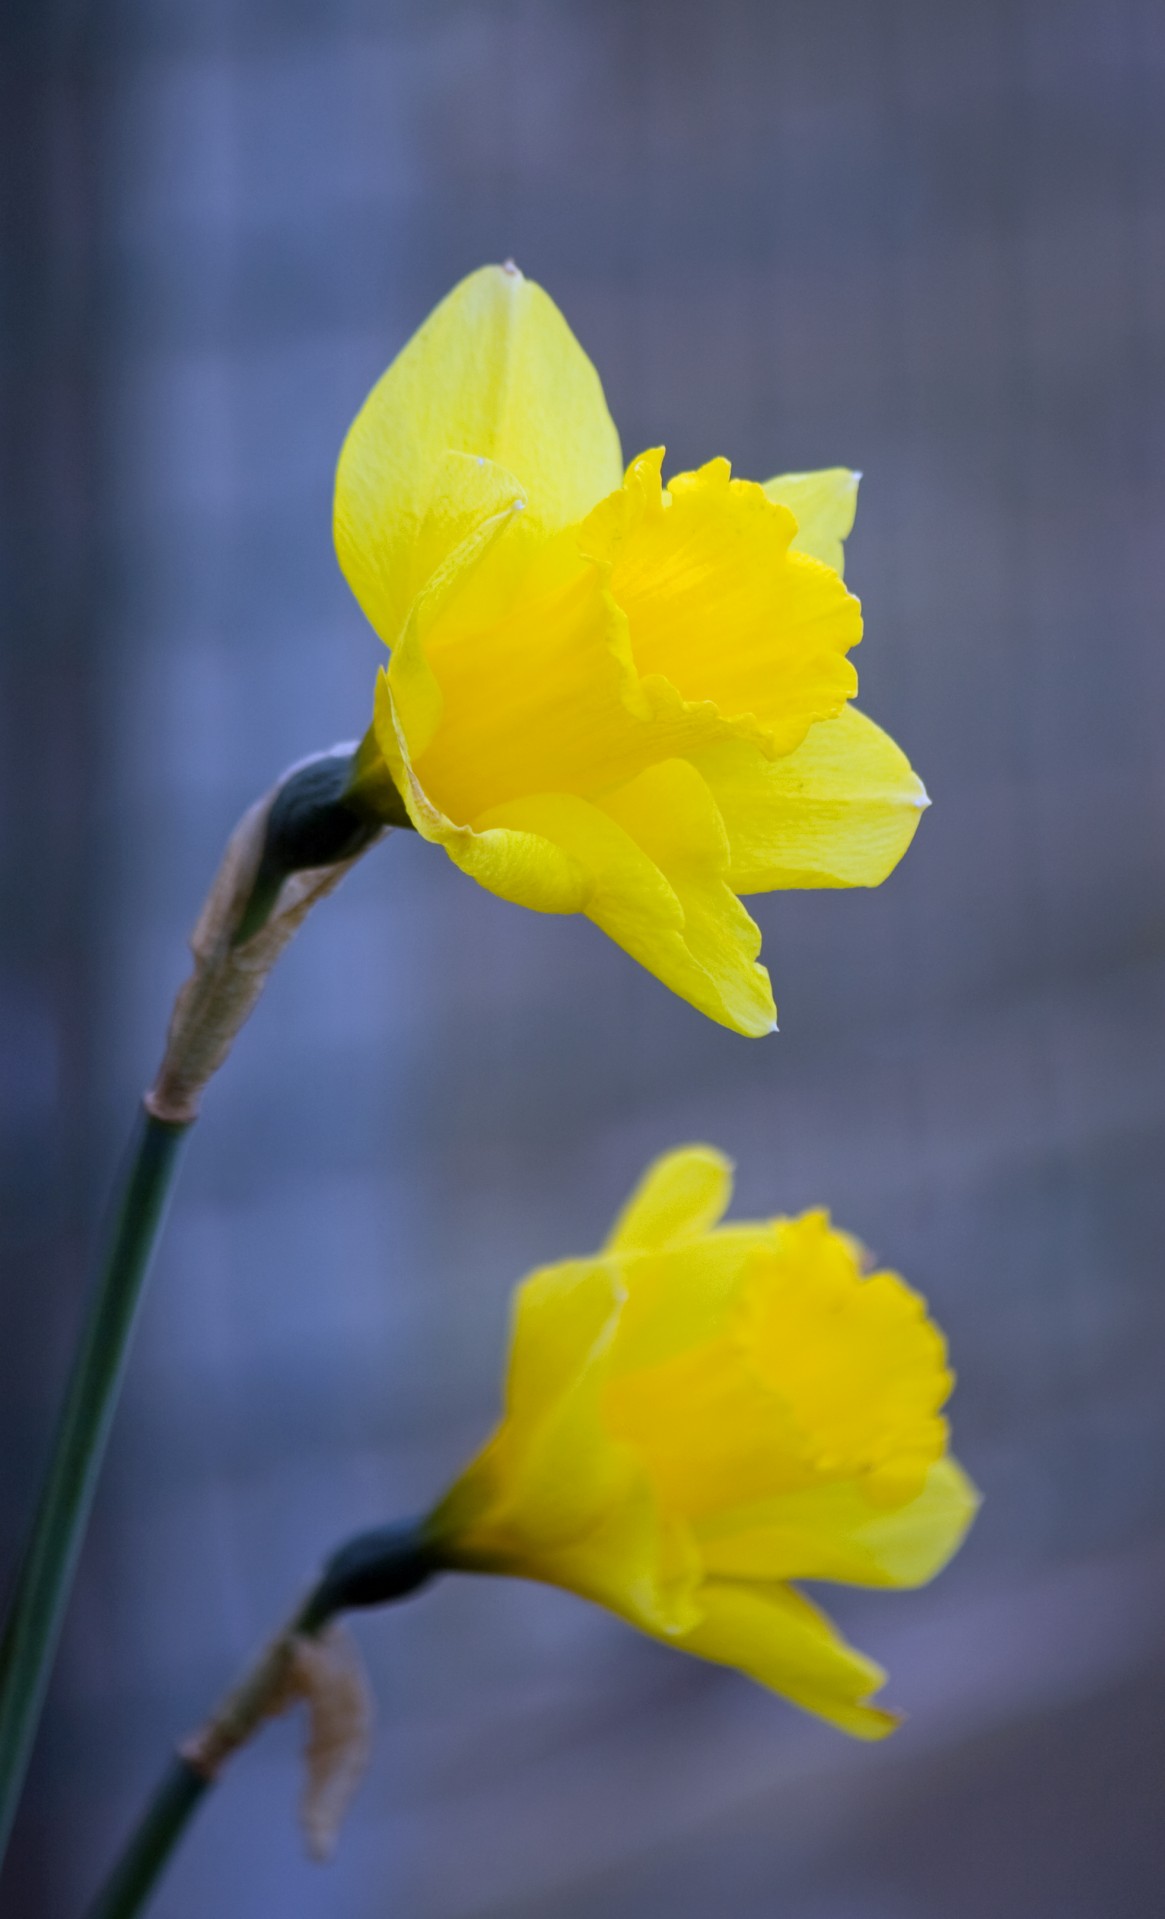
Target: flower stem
{"points": [[372, 1569], [42, 1587], [290, 849], [161, 1826]]}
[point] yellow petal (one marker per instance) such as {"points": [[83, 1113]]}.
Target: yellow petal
{"points": [[634, 1560], [516, 861], [717, 603], [572, 1516], [823, 505], [476, 504], [551, 1470], [682, 1194], [563, 1318], [553, 1496], [839, 811], [682, 1296], [913, 1544], [564, 1478], [834, 1531], [495, 371], [670, 814], [779, 1638], [646, 866]]}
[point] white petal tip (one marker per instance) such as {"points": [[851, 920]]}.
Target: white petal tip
{"points": [[513, 269]]}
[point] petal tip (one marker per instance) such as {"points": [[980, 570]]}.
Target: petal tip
{"points": [[879, 1722], [748, 1025]]}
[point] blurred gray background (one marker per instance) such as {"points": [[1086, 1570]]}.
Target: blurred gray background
{"points": [[926, 240]]}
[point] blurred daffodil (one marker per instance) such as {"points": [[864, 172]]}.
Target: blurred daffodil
{"points": [[608, 695], [700, 1414]]}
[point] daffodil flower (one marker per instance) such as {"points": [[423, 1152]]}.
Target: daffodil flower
{"points": [[700, 1414], [608, 695]]}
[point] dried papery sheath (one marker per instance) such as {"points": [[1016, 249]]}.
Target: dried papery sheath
{"points": [[290, 849], [328, 1675], [323, 1672], [310, 1660]]}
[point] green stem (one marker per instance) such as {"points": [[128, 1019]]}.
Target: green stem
{"points": [[41, 1593], [373, 1569], [162, 1824]]}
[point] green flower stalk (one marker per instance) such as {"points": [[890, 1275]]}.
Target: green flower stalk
{"points": [[310, 1661], [46, 1576], [291, 848]]}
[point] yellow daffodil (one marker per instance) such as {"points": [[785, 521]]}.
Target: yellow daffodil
{"points": [[700, 1414], [608, 695]]}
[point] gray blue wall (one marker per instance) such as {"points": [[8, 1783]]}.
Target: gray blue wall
{"points": [[925, 240]]}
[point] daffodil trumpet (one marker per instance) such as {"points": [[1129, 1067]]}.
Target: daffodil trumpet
{"points": [[607, 694]]}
